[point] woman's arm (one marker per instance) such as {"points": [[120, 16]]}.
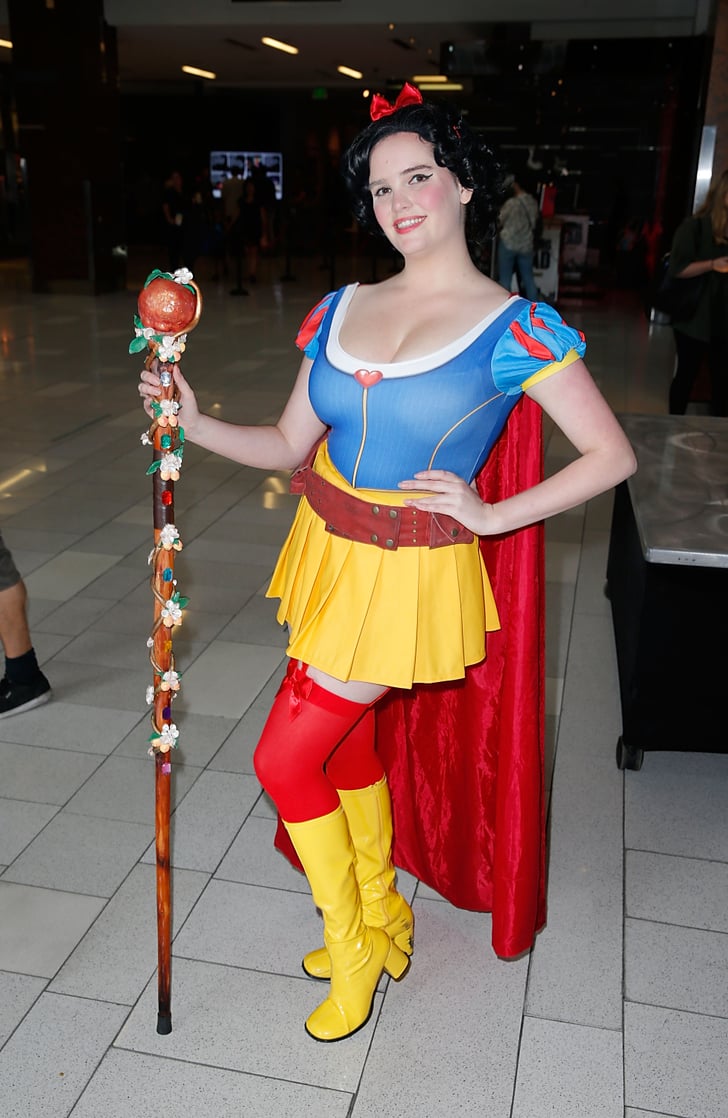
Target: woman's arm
{"points": [[702, 267], [576, 405], [281, 446]]}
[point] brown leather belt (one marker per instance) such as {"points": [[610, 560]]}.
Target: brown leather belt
{"points": [[385, 526]]}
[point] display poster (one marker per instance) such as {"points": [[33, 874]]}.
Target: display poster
{"points": [[225, 164]]}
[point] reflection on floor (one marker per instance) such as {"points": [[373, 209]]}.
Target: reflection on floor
{"points": [[622, 1003]]}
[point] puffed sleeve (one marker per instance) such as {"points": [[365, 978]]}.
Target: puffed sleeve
{"points": [[307, 337], [537, 344]]}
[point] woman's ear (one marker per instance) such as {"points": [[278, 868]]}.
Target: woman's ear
{"points": [[466, 193]]}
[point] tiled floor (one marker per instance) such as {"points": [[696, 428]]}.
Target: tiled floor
{"points": [[622, 1007]]}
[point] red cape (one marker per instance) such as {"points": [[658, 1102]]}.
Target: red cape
{"points": [[465, 760]]}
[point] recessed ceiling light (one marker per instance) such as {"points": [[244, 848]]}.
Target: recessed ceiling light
{"points": [[278, 45], [349, 73], [6, 43], [429, 78], [198, 73], [446, 87]]}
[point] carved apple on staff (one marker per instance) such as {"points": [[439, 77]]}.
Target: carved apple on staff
{"points": [[166, 306]]}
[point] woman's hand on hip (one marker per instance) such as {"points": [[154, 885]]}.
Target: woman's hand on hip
{"points": [[449, 494]]}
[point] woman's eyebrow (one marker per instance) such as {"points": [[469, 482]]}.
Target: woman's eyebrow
{"points": [[406, 171]]}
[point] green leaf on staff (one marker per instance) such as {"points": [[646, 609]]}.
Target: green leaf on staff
{"points": [[181, 435], [136, 345], [155, 275], [182, 602], [154, 466]]}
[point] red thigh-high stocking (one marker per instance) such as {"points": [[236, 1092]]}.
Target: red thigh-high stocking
{"points": [[354, 763], [305, 725]]}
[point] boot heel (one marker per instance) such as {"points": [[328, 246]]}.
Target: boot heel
{"points": [[397, 963], [405, 940]]}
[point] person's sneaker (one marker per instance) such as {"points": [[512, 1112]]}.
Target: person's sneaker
{"points": [[17, 697]]}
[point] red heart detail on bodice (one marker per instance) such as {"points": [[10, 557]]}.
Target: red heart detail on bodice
{"points": [[367, 378]]}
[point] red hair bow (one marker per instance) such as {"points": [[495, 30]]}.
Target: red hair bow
{"points": [[380, 106]]}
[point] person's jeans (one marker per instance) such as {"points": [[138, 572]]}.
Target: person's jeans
{"points": [[520, 262]]}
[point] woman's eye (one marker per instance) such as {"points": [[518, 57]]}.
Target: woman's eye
{"points": [[420, 177], [381, 191]]}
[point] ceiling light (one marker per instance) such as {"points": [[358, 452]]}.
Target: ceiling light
{"points": [[278, 45], [6, 43], [429, 78], [349, 73], [451, 87], [198, 73]]}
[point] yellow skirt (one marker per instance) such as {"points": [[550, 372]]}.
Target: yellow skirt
{"points": [[415, 615]]}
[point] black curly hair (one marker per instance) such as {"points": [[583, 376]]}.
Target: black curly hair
{"points": [[456, 147]]}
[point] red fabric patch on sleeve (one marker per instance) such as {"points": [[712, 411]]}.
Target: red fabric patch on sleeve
{"points": [[531, 345], [311, 323]]}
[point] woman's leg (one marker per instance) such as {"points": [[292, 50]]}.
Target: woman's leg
{"points": [[525, 272], [305, 725], [718, 377], [690, 353], [356, 772], [506, 265]]}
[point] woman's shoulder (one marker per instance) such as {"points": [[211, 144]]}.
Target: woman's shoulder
{"points": [[310, 328]]}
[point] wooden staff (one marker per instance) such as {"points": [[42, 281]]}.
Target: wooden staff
{"points": [[167, 439], [162, 658]]}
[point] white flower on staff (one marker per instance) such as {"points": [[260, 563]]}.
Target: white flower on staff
{"points": [[182, 275], [171, 613], [168, 737], [144, 332], [168, 348], [150, 642], [168, 413], [150, 694], [144, 438], [169, 538], [170, 466], [170, 681]]}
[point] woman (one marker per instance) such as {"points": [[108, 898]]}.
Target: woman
{"points": [[700, 248], [381, 579]]}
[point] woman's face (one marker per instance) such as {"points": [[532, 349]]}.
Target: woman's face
{"points": [[418, 204]]}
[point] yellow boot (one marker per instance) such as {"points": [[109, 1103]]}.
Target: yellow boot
{"points": [[358, 954], [369, 815]]}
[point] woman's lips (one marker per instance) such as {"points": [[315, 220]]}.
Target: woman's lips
{"points": [[407, 224]]}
